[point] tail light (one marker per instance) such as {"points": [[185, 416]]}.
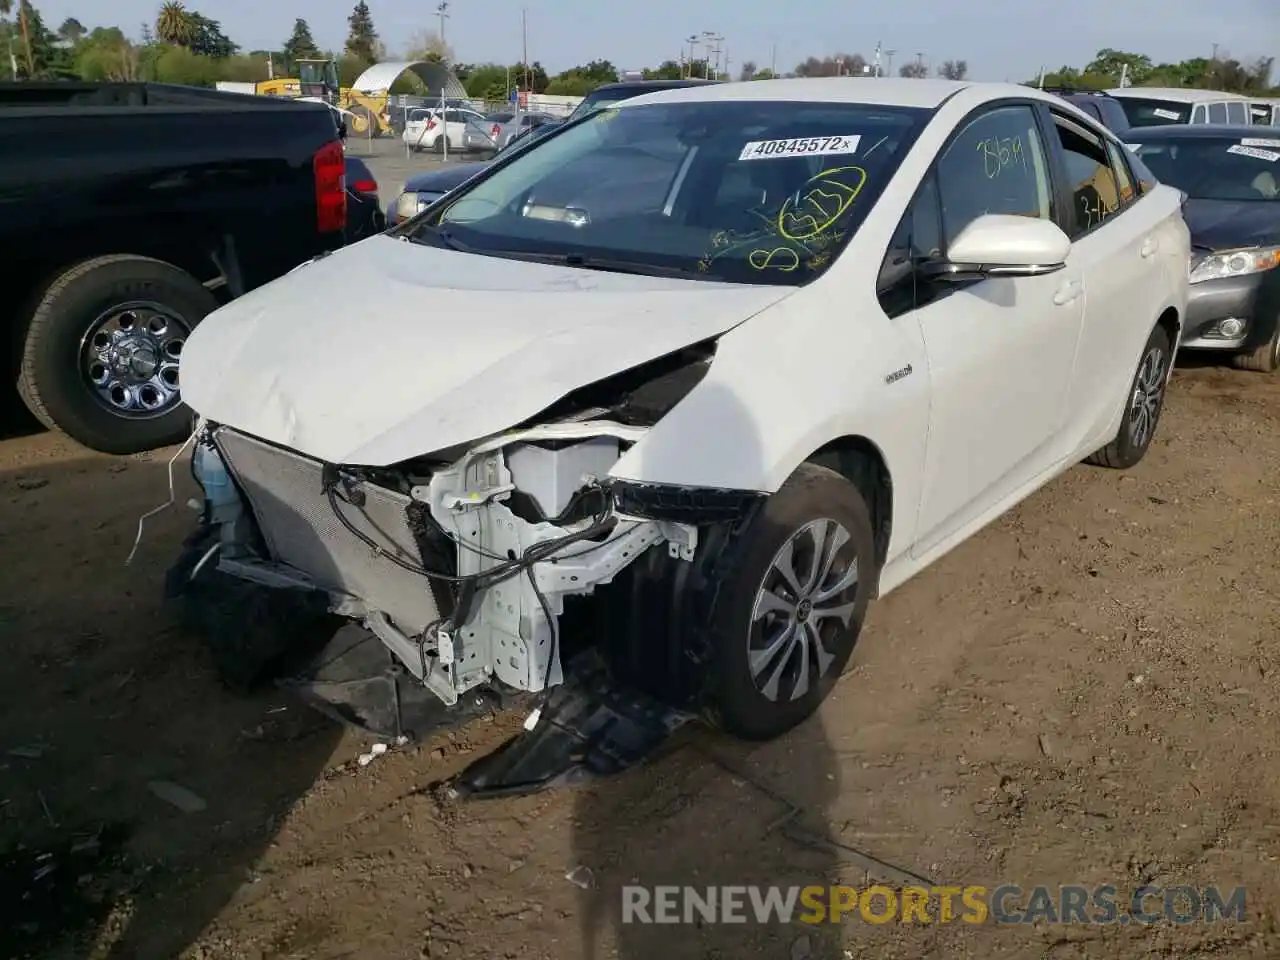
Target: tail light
{"points": [[495, 129], [431, 124], [330, 169], [365, 186]]}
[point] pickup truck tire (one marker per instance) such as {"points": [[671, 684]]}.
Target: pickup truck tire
{"points": [[141, 310]]}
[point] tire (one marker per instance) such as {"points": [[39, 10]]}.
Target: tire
{"points": [[1265, 359], [129, 297], [766, 702], [438, 146], [1144, 403], [361, 121]]}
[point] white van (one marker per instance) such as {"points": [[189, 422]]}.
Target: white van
{"points": [[1157, 106], [1265, 113]]}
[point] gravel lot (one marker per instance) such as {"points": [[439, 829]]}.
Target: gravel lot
{"points": [[1084, 693]]}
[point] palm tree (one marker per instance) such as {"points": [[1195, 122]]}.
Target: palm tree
{"points": [[6, 8], [174, 24]]}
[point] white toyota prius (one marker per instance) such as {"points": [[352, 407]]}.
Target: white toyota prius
{"points": [[693, 380]]}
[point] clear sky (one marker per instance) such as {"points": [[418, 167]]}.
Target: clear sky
{"points": [[999, 38]]}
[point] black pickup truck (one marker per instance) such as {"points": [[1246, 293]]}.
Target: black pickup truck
{"points": [[130, 211]]}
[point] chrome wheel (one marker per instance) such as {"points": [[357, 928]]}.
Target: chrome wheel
{"points": [[1148, 391], [130, 357], [807, 595]]}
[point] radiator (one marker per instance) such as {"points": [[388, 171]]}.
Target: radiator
{"points": [[298, 524]]}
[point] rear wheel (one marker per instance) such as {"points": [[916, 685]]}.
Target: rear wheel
{"points": [[1143, 406], [1265, 359], [791, 605], [362, 121], [101, 357]]}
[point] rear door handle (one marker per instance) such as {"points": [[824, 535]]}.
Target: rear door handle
{"points": [[1068, 292], [1149, 247]]}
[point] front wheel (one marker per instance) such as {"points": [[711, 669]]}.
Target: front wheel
{"points": [[791, 604], [1265, 359], [103, 349], [1143, 406]]}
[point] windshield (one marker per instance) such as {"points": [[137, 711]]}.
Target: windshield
{"points": [[738, 191], [1217, 168], [1154, 113]]}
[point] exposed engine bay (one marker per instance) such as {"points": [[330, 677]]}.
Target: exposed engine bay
{"points": [[459, 562]]}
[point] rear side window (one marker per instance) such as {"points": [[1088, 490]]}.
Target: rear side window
{"points": [[1238, 112], [1143, 112], [1217, 113], [1095, 195], [996, 164]]}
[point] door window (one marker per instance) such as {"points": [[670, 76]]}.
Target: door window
{"points": [[1120, 167], [1217, 113], [1095, 195], [1198, 115], [1238, 112], [995, 165]]}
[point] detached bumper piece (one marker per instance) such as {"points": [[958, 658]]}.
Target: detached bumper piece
{"points": [[355, 680], [587, 728]]}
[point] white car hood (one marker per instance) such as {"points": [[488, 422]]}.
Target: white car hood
{"points": [[387, 350]]}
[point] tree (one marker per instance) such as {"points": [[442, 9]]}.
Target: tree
{"points": [[1136, 67], [427, 45], [748, 71], [765, 74], [107, 54], [72, 31], [839, 65], [954, 70], [300, 45], [671, 70], [208, 40], [488, 81], [362, 39], [174, 24], [914, 70]]}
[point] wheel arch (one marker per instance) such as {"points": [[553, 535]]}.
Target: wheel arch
{"points": [[861, 461], [1170, 321]]}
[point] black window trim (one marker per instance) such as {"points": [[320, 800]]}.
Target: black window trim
{"points": [[1062, 181]]}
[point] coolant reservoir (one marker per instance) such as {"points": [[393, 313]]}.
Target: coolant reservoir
{"points": [[219, 490]]}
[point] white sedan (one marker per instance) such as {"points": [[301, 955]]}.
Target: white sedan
{"points": [[693, 379]]}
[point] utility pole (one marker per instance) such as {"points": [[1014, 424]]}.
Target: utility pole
{"points": [[919, 65], [692, 40], [442, 11], [524, 54], [1213, 67], [888, 56], [773, 60]]}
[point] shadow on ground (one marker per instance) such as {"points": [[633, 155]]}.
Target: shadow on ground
{"points": [[136, 793]]}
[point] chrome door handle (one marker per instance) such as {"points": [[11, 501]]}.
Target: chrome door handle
{"points": [[1149, 247], [1068, 292]]}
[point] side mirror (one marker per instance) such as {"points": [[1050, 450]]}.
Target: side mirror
{"points": [[1000, 245]]}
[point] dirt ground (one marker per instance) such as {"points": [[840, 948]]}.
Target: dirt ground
{"points": [[1086, 693]]}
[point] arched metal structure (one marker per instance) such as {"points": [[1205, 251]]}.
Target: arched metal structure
{"points": [[437, 77]]}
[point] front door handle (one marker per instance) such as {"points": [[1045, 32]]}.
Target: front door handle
{"points": [[1149, 247], [1068, 292]]}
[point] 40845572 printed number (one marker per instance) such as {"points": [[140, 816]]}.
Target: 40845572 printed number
{"points": [[800, 146]]}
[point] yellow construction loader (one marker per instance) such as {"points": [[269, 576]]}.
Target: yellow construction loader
{"points": [[368, 114]]}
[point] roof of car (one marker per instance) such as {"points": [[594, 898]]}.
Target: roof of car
{"points": [[1202, 131], [880, 92], [666, 84], [1178, 94]]}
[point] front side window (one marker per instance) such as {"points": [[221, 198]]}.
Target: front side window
{"points": [[1217, 113], [1120, 167], [1143, 112], [996, 164], [1216, 168], [738, 191], [917, 239], [1095, 195]]}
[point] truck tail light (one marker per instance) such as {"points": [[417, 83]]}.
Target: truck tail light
{"points": [[330, 169], [365, 186]]}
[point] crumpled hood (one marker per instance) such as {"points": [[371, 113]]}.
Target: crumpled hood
{"points": [[387, 349]]}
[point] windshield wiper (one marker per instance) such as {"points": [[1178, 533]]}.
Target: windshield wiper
{"points": [[607, 264], [441, 236]]}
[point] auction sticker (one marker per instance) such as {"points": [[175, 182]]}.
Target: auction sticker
{"points": [[1254, 152], [1271, 142], [1165, 114], [800, 147]]}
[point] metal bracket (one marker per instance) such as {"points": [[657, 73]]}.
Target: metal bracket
{"points": [[682, 540]]}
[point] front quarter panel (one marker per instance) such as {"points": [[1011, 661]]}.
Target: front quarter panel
{"points": [[812, 369]]}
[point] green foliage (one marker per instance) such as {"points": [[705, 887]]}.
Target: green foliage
{"points": [[300, 46], [1225, 73], [362, 38]]}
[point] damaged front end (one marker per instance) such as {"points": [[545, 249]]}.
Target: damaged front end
{"points": [[463, 564]]}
